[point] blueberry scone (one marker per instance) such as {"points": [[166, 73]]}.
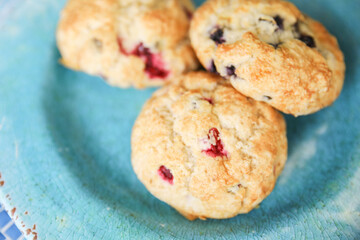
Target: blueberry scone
{"points": [[271, 52], [136, 43], [207, 150]]}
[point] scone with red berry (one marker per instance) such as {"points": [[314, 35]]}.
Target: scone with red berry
{"points": [[138, 43], [270, 52], [207, 150]]}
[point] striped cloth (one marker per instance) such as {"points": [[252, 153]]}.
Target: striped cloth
{"points": [[8, 229]]}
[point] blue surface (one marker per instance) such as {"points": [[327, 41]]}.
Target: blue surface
{"points": [[4, 219], [13, 232], [8, 229], [65, 147], [2, 237]]}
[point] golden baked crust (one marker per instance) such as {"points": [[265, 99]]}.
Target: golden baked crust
{"points": [[207, 150], [127, 42], [271, 52]]}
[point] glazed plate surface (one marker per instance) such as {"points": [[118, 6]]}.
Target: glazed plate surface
{"points": [[65, 147]]}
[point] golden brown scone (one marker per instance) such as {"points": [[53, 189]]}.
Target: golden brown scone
{"points": [[207, 150], [138, 43], [271, 52]]}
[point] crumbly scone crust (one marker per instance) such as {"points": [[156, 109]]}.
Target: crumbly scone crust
{"points": [[90, 36], [270, 62], [173, 130]]}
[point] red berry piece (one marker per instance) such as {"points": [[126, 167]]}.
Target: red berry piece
{"points": [[217, 149], [208, 99], [165, 174], [121, 47], [154, 64]]}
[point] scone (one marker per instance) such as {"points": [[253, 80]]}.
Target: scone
{"points": [[271, 52], [207, 150], [138, 43]]}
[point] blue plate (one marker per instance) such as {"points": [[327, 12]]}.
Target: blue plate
{"points": [[65, 147]]}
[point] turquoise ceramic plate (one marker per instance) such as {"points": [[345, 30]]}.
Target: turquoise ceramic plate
{"points": [[65, 147]]}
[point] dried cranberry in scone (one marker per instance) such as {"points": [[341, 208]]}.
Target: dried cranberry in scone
{"points": [[165, 174], [131, 43], [215, 145], [207, 150], [154, 64], [270, 48]]}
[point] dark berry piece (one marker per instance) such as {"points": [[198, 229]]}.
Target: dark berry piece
{"points": [[165, 174], [217, 35], [201, 68], [230, 71], [212, 67], [267, 98], [308, 40], [275, 45], [279, 22], [217, 149]]}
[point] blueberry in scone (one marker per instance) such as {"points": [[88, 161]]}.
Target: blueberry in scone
{"points": [[207, 150], [270, 52], [128, 42]]}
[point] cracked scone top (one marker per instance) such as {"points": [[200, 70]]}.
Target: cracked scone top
{"points": [[136, 43], [207, 150], [271, 52]]}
